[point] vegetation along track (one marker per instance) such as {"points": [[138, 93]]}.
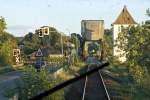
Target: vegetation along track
{"points": [[94, 87]]}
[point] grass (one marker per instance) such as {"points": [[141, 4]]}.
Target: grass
{"points": [[9, 68], [128, 90], [70, 71], [120, 72], [63, 75]]}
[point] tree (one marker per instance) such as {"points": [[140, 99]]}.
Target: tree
{"points": [[6, 52], [53, 41], [31, 43], [3, 35], [7, 44], [75, 40], [135, 42], [2, 25], [108, 44]]}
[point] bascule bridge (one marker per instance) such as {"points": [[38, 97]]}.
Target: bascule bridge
{"points": [[92, 32]]}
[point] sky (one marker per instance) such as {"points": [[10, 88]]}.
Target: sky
{"points": [[23, 16]]}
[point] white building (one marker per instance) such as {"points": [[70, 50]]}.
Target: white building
{"points": [[124, 20]]}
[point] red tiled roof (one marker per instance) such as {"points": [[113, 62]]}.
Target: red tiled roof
{"points": [[125, 17]]}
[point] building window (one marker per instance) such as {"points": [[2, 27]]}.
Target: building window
{"points": [[122, 28], [119, 29]]}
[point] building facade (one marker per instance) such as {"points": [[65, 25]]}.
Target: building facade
{"points": [[124, 20], [92, 29], [92, 32]]}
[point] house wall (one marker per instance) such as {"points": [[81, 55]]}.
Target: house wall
{"points": [[116, 51]]}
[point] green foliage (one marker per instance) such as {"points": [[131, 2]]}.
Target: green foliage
{"points": [[7, 44], [138, 73], [75, 40], [5, 37], [79, 62], [32, 82], [55, 38], [6, 52], [108, 44], [57, 59], [135, 42], [2, 25], [28, 50], [31, 43]]}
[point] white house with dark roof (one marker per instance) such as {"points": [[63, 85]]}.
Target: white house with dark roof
{"points": [[124, 20]]}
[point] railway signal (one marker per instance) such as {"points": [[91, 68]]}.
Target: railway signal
{"points": [[43, 31], [17, 59], [40, 32], [16, 52], [46, 30]]}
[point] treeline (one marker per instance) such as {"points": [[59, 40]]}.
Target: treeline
{"points": [[7, 44], [31, 42]]}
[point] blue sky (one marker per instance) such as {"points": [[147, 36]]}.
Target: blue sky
{"points": [[23, 16]]}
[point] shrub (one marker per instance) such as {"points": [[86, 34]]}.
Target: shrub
{"points": [[32, 83]]}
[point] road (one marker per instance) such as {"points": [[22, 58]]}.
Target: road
{"points": [[8, 81]]}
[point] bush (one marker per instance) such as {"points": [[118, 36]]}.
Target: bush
{"points": [[57, 59], [32, 83]]}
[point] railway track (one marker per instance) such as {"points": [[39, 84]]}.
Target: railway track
{"points": [[94, 87]]}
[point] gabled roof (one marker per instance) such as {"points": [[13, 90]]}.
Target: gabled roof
{"points": [[125, 17]]}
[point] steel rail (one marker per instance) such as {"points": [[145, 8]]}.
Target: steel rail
{"points": [[108, 97], [66, 83], [85, 84]]}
